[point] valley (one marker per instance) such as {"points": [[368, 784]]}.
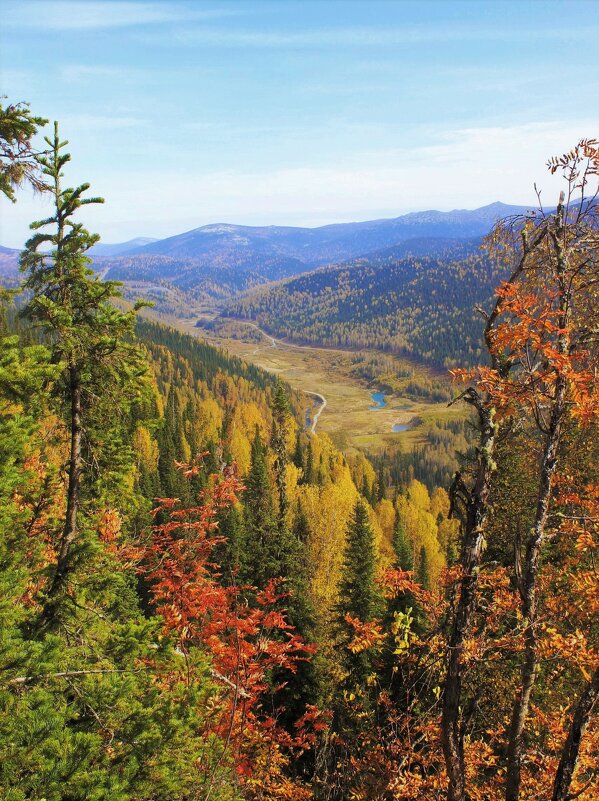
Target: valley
{"points": [[339, 403]]}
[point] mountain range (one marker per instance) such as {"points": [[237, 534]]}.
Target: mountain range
{"points": [[222, 261], [312, 247]]}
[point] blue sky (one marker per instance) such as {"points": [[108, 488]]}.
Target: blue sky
{"points": [[185, 113]]}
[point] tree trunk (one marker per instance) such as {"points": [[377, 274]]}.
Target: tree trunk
{"points": [[476, 504], [476, 513], [528, 585], [69, 531], [529, 601], [580, 720]]}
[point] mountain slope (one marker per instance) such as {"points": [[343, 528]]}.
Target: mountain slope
{"points": [[417, 305]]}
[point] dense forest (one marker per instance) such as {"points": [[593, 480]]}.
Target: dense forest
{"points": [[421, 306], [199, 599]]}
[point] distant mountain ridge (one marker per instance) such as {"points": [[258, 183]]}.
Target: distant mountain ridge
{"points": [[220, 260], [329, 243], [120, 248]]}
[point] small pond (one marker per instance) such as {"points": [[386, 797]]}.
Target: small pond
{"points": [[378, 399], [400, 427]]}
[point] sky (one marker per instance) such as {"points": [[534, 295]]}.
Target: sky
{"points": [[186, 113]]}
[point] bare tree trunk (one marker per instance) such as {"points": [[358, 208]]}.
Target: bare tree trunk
{"points": [[476, 514], [580, 720], [69, 531]]}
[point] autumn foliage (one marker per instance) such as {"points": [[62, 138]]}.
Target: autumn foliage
{"points": [[242, 629]]}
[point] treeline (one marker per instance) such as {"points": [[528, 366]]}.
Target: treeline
{"points": [[444, 446]]}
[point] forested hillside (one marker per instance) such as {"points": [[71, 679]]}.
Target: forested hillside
{"points": [[421, 306], [202, 601]]}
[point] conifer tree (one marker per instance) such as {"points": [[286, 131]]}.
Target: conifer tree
{"points": [[18, 162], [309, 470], [381, 483], [281, 411], [89, 337], [359, 597], [402, 546], [298, 453], [423, 576], [260, 563], [358, 591], [301, 526]]}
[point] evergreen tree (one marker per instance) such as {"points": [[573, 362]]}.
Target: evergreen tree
{"points": [[298, 453], [358, 592], [301, 526], [80, 717], [281, 412], [423, 576], [381, 484], [309, 470], [359, 595], [402, 546], [89, 337], [260, 561], [230, 553], [18, 162]]}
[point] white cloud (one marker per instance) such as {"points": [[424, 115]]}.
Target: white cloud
{"points": [[362, 36], [463, 168], [93, 14]]}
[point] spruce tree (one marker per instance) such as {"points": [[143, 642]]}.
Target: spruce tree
{"points": [[423, 575], [402, 546], [309, 470], [281, 412], [359, 595], [85, 713], [358, 592], [260, 561], [90, 341], [381, 484], [18, 162]]}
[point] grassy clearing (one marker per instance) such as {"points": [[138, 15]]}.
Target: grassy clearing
{"points": [[347, 417]]}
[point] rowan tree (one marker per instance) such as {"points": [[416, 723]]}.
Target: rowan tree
{"points": [[247, 644], [540, 336]]}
